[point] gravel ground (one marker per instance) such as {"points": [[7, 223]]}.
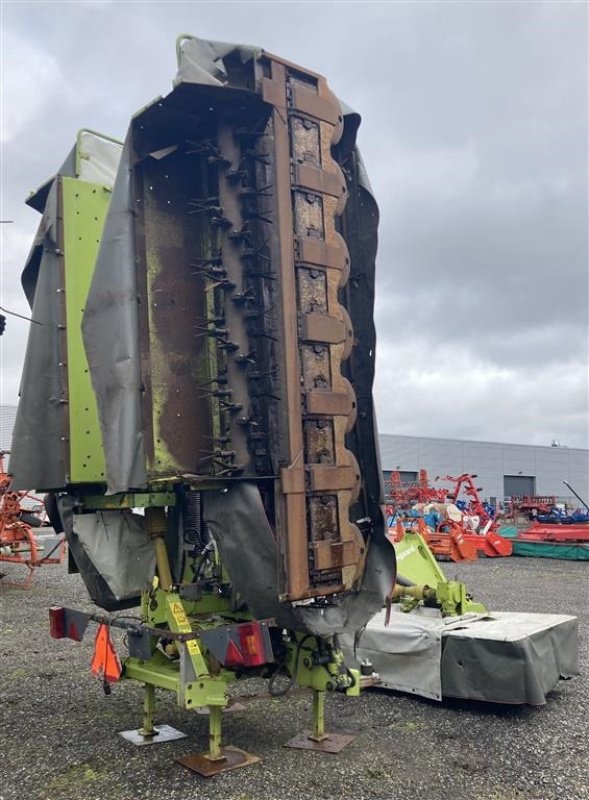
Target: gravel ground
{"points": [[59, 732]]}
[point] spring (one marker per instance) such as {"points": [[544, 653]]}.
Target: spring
{"points": [[195, 532]]}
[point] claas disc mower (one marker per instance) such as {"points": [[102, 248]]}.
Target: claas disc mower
{"points": [[206, 290], [197, 402]]}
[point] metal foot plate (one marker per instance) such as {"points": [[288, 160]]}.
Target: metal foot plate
{"points": [[333, 742], [233, 758], [165, 733]]}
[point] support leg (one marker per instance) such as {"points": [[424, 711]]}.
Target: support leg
{"points": [[150, 733], [215, 731], [217, 759], [148, 728], [317, 739], [318, 734]]}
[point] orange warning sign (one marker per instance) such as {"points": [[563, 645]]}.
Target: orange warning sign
{"points": [[105, 661]]}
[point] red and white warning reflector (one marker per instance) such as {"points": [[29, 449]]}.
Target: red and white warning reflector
{"points": [[252, 644]]}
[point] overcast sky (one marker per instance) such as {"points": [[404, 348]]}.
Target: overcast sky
{"points": [[475, 138]]}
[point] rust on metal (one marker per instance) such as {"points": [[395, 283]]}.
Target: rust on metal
{"points": [[292, 537], [329, 403], [314, 251], [324, 478], [322, 328], [233, 758], [308, 177], [320, 104], [245, 341], [334, 555]]}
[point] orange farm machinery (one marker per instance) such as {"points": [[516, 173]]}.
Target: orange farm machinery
{"points": [[18, 542]]}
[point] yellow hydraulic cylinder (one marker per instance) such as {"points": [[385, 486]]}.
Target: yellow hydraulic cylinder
{"points": [[156, 527]]}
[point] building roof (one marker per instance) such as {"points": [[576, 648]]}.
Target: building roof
{"points": [[383, 437]]}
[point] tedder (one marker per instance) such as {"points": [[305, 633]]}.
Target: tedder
{"points": [[197, 398]]}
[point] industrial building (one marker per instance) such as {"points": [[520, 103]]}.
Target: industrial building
{"points": [[503, 470], [7, 419]]}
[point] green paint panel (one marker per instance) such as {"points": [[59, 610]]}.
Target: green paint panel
{"points": [[416, 561], [84, 211]]}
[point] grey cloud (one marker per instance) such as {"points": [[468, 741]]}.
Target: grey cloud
{"points": [[475, 138]]}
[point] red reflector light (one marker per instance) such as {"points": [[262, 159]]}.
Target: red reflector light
{"points": [[252, 644], [57, 622], [233, 657]]}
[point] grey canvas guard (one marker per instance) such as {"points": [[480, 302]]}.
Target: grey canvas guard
{"points": [[201, 61], [98, 158], [511, 658], [118, 545], [39, 458], [503, 657], [406, 654], [237, 520], [112, 551]]}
